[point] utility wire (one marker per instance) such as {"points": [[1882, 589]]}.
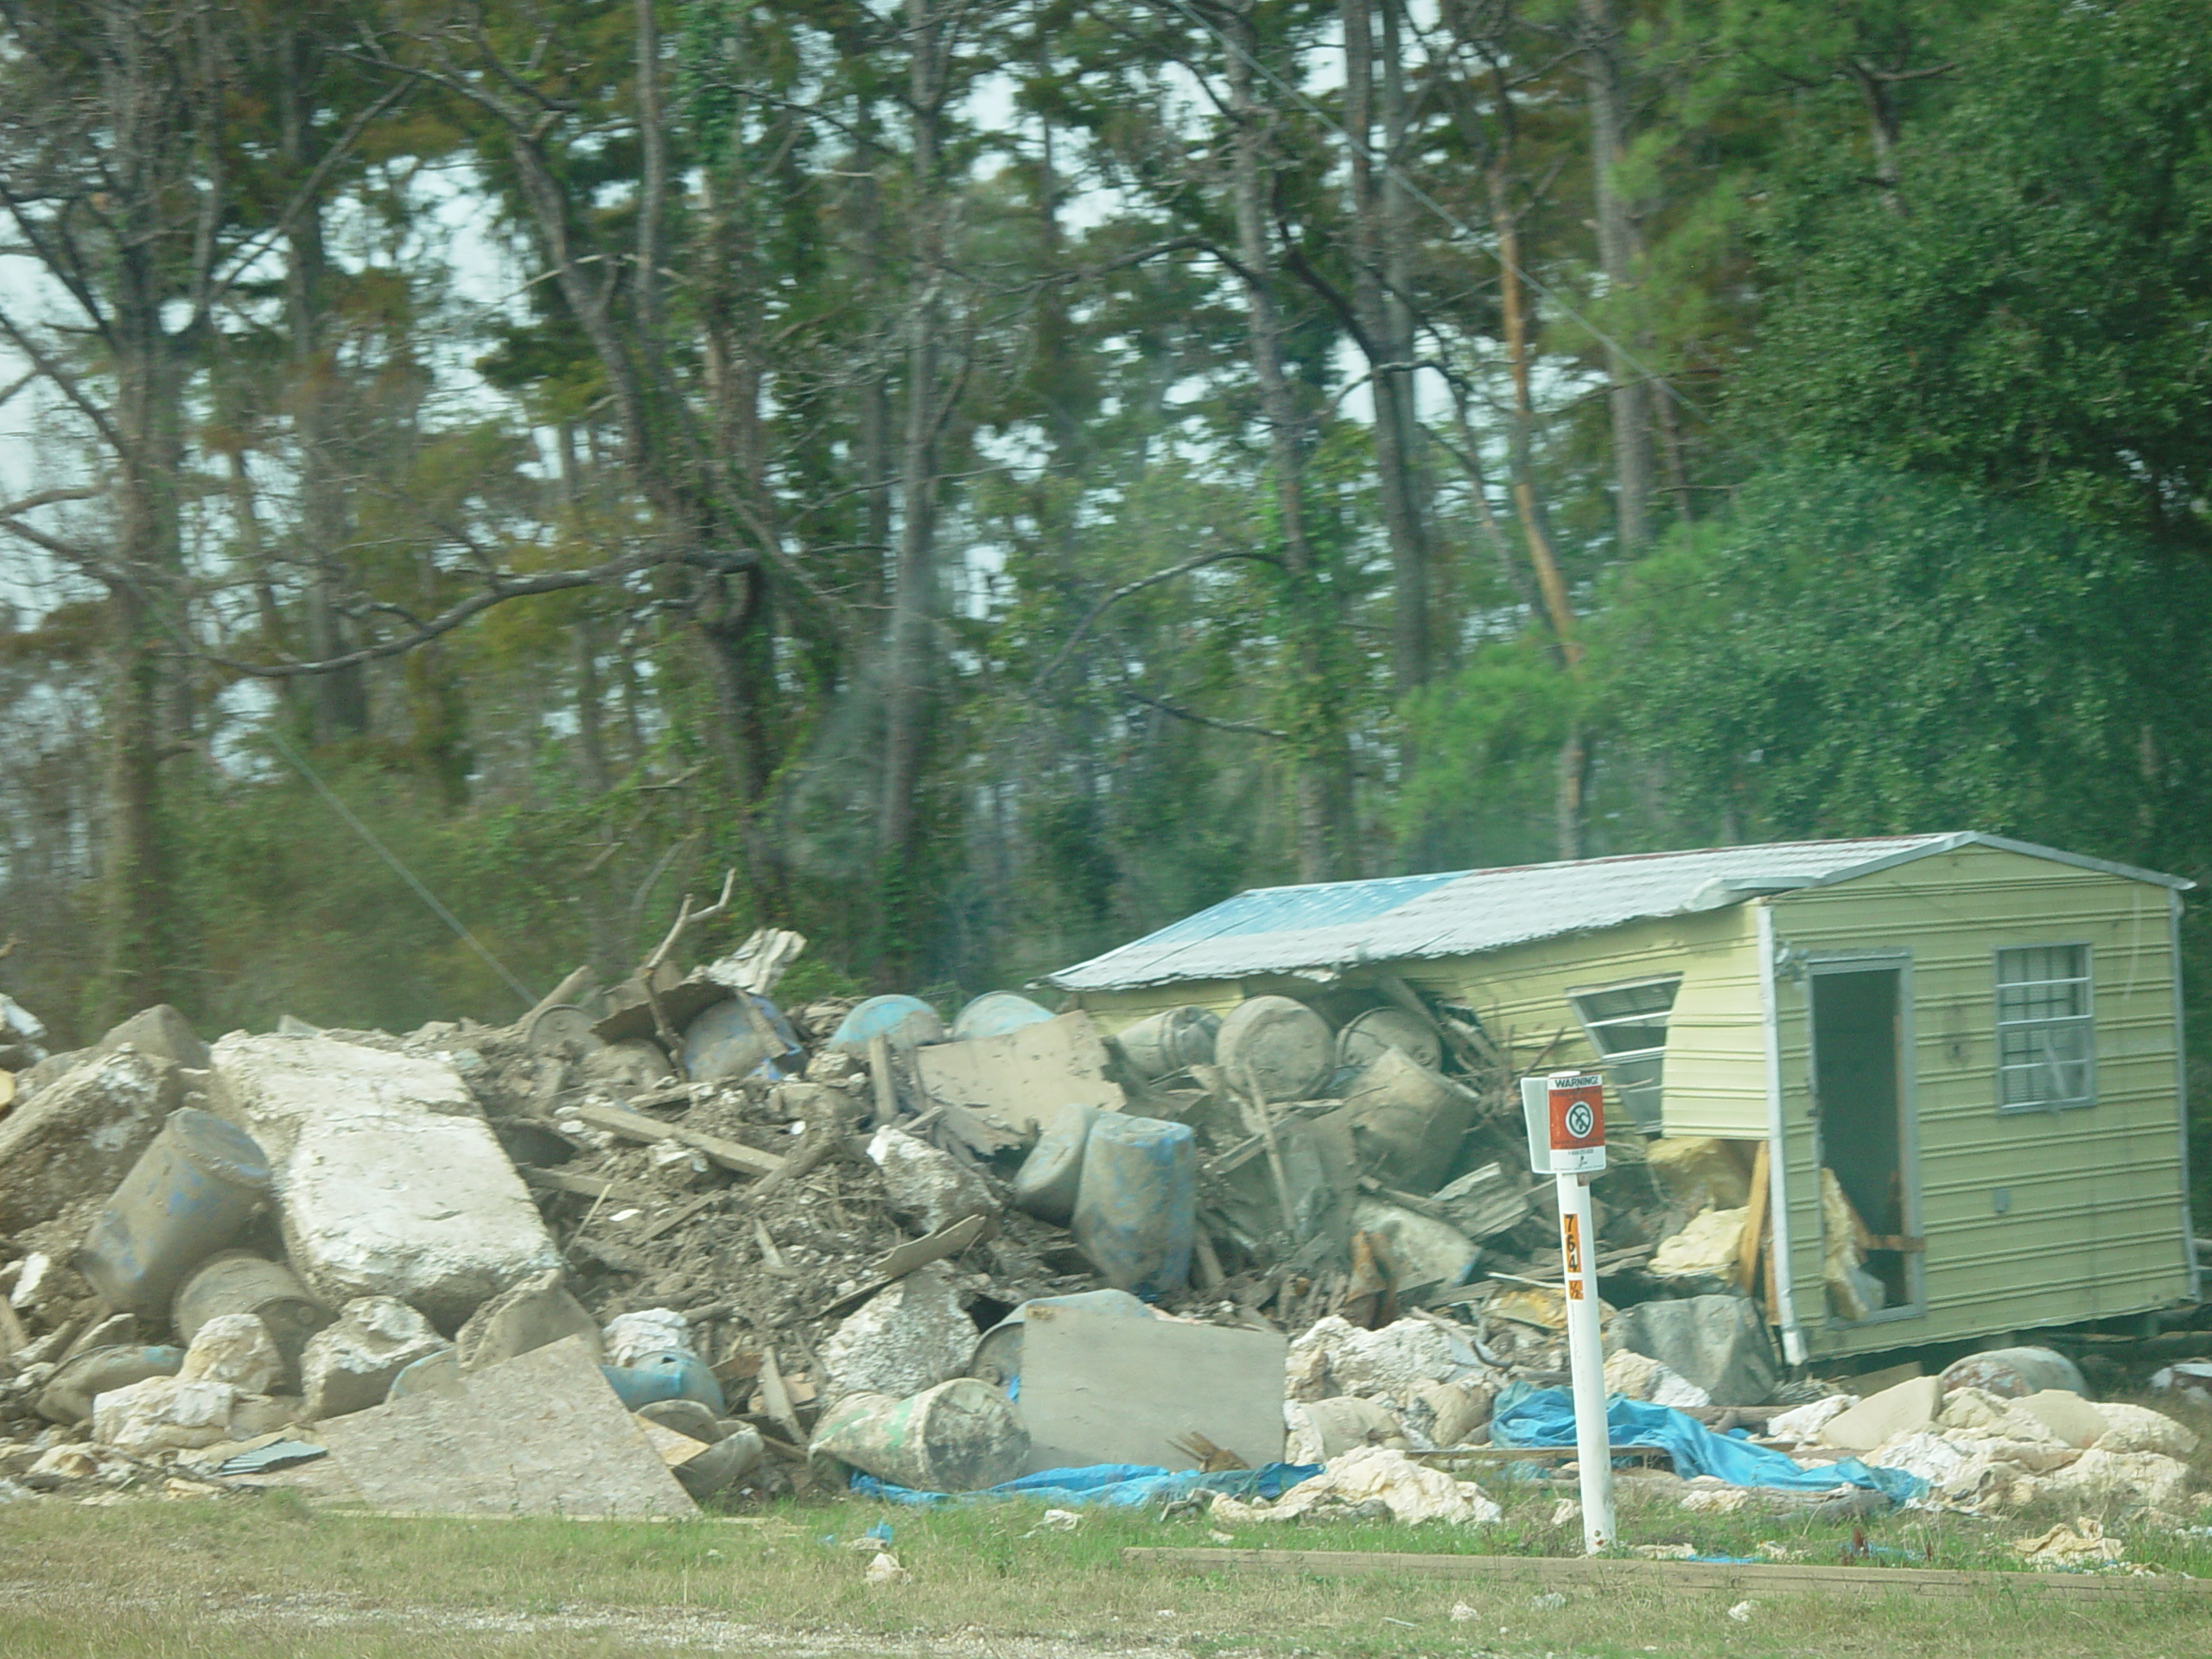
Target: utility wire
{"points": [[346, 815], [437, 909], [1377, 158]]}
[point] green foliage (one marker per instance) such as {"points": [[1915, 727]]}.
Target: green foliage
{"points": [[1848, 652]]}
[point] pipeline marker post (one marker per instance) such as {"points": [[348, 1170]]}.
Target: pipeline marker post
{"points": [[1565, 1115]]}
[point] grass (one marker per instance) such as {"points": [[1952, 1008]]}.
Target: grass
{"points": [[271, 1576]]}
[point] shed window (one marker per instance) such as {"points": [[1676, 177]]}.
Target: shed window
{"points": [[2046, 1058], [1628, 1028]]}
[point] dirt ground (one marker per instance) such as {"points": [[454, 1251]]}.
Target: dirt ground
{"points": [[271, 1576]]}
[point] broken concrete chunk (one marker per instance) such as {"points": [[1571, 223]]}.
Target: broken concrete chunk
{"points": [[2070, 1419], [906, 1339], [1015, 1080], [2015, 1373], [349, 1366], [998, 1356], [78, 1380], [167, 1413], [535, 1312], [74, 1140], [2115, 1479], [1333, 1356], [1321, 1429], [1371, 1474], [925, 1186], [1637, 1378], [236, 1349], [2139, 1428], [1718, 1343], [1702, 1173], [540, 1434], [1707, 1248], [639, 1335], [160, 1031], [389, 1182], [1910, 1406]]}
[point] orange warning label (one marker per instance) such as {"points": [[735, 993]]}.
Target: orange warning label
{"points": [[1570, 1232], [1575, 1290]]}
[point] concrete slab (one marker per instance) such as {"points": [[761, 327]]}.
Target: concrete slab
{"points": [[389, 1181], [1099, 1387], [541, 1434], [1018, 1081]]}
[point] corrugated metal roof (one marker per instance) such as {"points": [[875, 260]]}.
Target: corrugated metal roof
{"points": [[1333, 925]]}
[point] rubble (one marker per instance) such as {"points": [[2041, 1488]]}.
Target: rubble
{"points": [[906, 1339], [1370, 1478], [538, 1435], [1906, 1408], [388, 1178], [728, 1267], [1718, 1344], [925, 1185], [79, 1136], [349, 1366]]}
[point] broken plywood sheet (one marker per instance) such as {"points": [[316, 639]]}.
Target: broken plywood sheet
{"points": [[1018, 1079], [539, 1434], [1099, 1387]]}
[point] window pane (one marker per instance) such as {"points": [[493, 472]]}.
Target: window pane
{"points": [[1627, 1037], [1597, 1006]]}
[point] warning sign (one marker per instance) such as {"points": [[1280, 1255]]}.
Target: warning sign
{"points": [[1574, 1115], [1570, 1232]]}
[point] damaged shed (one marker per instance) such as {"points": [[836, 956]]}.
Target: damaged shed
{"points": [[1946, 1069]]}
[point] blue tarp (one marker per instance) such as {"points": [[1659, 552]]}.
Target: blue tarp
{"points": [[1546, 1417], [1118, 1485]]}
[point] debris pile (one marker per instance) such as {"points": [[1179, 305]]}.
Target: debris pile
{"points": [[669, 1241]]}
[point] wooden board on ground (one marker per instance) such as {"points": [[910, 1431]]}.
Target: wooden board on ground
{"points": [[539, 1434], [1603, 1574], [1105, 1388], [1020, 1078], [732, 1155]]}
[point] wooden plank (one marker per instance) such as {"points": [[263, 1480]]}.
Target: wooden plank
{"points": [[634, 1126], [560, 1180], [886, 1086], [1747, 1248], [1601, 1573], [677, 1216]]}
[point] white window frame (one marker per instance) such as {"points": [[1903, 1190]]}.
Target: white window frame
{"points": [[1607, 1060], [2085, 1020]]}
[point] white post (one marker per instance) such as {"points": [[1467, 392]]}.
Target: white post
{"points": [[1578, 1250]]}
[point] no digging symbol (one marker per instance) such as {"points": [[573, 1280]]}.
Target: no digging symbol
{"points": [[1580, 1121]]}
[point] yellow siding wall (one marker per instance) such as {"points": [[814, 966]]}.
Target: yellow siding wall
{"points": [[2096, 1226]]}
